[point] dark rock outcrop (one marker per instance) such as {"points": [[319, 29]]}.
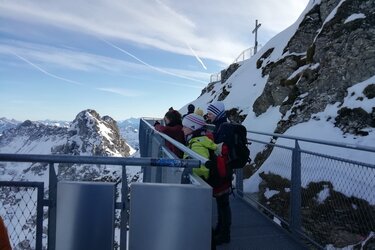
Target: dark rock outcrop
{"points": [[330, 57], [226, 73], [332, 218]]}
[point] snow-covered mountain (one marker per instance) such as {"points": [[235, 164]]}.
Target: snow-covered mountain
{"points": [[128, 128], [88, 134], [7, 124], [55, 123], [318, 73], [316, 79], [129, 131]]}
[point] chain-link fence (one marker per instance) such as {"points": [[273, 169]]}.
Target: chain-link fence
{"points": [[338, 200], [22, 211], [22, 208], [328, 200]]}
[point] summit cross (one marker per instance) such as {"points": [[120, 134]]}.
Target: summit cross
{"points": [[256, 35]]}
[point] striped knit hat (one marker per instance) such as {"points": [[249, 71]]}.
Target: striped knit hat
{"points": [[193, 121], [217, 108]]}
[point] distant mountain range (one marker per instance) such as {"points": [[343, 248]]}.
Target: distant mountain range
{"points": [[7, 124], [88, 134], [128, 128]]}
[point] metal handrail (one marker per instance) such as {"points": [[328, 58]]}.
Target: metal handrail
{"points": [[240, 58], [107, 160], [295, 219], [324, 142], [121, 161]]}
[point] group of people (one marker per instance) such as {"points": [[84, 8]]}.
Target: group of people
{"points": [[191, 131]]}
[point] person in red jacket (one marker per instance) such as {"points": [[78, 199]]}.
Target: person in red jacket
{"points": [[172, 128], [216, 115], [4, 238]]}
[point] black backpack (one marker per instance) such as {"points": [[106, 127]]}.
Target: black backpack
{"points": [[235, 137]]}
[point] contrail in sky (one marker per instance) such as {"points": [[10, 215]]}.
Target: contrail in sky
{"points": [[150, 66], [196, 56], [44, 71]]}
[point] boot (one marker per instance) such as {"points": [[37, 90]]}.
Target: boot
{"points": [[223, 236], [217, 230]]}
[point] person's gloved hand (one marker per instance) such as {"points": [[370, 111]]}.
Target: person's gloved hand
{"points": [[218, 149], [209, 164]]}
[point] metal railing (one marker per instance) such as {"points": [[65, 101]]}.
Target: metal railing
{"points": [[22, 208], [244, 55], [328, 200], [311, 194], [34, 236], [152, 143], [319, 197]]}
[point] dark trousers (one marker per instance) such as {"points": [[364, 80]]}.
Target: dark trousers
{"points": [[224, 215]]}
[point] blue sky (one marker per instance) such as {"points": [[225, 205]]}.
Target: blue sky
{"points": [[123, 58]]}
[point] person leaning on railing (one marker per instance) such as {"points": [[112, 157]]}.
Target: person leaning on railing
{"points": [[4, 238], [172, 128]]}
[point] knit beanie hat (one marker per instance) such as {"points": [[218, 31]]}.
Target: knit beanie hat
{"points": [[217, 108], [193, 121]]}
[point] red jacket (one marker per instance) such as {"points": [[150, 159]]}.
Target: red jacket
{"points": [[174, 132], [4, 238], [222, 168]]}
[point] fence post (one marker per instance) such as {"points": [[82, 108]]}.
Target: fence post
{"points": [[146, 169], [39, 216], [295, 199], [52, 197], [156, 152], [124, 209], [145, 148]]}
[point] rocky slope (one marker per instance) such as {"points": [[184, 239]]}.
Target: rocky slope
{"points": [[315, 79], [332, 50]]}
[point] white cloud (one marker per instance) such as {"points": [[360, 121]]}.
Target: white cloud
{"points": [[122, 92], [67, 58], [217, 30], [196, 56], [45, 71], [150, 66]]}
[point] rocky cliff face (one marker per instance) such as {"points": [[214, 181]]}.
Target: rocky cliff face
{"points": [[332, 50], [315, 79], [89, 134], [304, 71]]}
